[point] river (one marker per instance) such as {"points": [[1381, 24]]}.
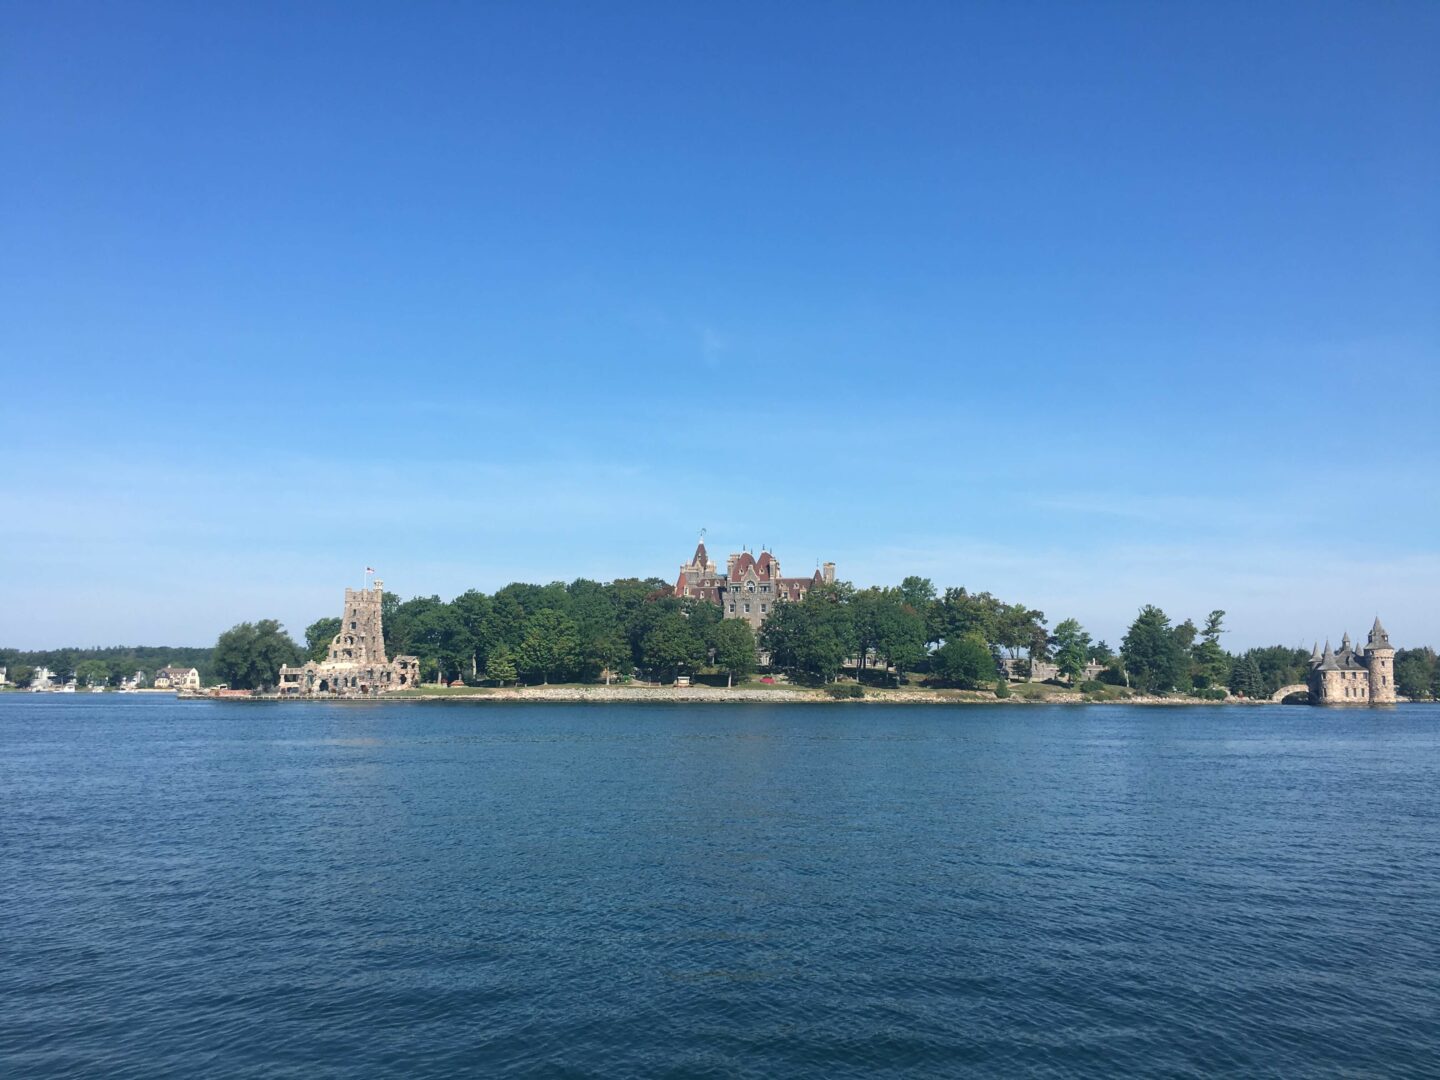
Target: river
{"points": [[432, 889]]}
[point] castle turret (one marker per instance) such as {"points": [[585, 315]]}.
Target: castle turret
{"points": [[1315, 656], [1326, 678], [1380, 657]]}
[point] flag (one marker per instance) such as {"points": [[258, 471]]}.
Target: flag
{"points": [[370, 569]]}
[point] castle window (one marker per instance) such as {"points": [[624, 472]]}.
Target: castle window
{"points": [[747, 608], [762, 607], [732, 605]]}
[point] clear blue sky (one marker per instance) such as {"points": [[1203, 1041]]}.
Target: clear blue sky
{"points": [[1088, 305]]}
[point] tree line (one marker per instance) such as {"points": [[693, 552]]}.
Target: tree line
{"points": [[104, 665], [588, 631]]}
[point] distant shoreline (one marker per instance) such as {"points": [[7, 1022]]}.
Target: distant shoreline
{"points": [[739, 695]]}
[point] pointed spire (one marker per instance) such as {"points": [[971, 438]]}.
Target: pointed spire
{"points": [[1378, 637], [1327, 660], [1345, 642], [1315, 653]]}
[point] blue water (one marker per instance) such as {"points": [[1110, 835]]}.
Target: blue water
{"points": [[309, 890]]}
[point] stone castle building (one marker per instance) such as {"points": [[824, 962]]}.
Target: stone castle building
{"points": [[1363, 676], [750, 587], [355, 665]]}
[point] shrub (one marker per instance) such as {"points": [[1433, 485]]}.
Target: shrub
{"points": [[845, 691], [1002, 687], [1211, 693], [965, 662], [1091, 686]]}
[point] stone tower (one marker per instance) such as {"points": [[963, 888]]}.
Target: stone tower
{"points": [[1380, 657], [356, 664], [361, 639]]}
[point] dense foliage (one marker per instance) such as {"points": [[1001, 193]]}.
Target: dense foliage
{"points": [[586, 631], [1417, 673], [248, 656]]}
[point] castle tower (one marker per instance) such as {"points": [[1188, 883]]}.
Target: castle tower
{"points": [[1381, 657], [1327, 687], [355, 665], [361, 639]]}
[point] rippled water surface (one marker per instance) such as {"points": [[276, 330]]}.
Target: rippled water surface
{"points": [[191, 888]]}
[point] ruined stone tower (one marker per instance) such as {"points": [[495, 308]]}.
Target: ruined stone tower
{"points": [[361, 639], [355, 665], [1380, 659]]}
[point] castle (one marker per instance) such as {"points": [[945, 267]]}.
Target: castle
{"points": [[1364, 676], [356, 664], [749, 588]]}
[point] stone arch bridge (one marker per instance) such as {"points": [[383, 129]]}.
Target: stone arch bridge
{"points": [[1286, 691]]}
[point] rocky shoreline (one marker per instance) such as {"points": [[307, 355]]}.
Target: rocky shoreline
{"points": [[744, 695]]}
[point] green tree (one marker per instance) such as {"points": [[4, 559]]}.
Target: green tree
{"points": [[1156, 661], [1278, 666], [1072, 649], [21, 675], [613, 654], [1209, 663], [918, 593], [1415, 673], [1245, 677], [93, 672], [472, 610], [389, 608], [248, 656], [958, 613], [899, 631], [500, 665], [734, 645], [811, 639], [671, 645], [550, 646], [318, 636], [1017, 627], [966, 662], [62, 665], [596, 627], [505, 621], [867, 611], [436, 635]]}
